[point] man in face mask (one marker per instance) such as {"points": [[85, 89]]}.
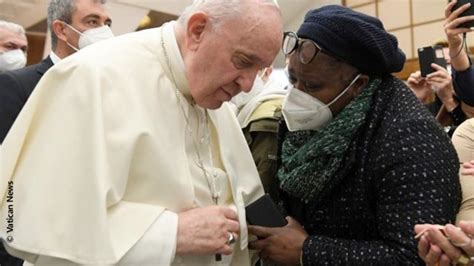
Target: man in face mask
{"points": [[74, 24], [13, 46], [362, 160], [89, 23]]}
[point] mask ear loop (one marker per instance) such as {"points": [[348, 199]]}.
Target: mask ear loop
{"points": [[72, 47], [262, 73], [72, 28], [345, 90], [78, 32]]}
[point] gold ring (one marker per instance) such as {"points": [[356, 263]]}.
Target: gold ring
{"points": [[463, 259]]}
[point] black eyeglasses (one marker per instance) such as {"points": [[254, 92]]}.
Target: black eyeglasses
{"points": [[306, 49]]}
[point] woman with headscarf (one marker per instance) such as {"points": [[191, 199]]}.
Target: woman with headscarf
{"points": [[361, 161]]}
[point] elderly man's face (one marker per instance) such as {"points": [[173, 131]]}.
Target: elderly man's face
{"points": [[89, 14], [324, 78], [10, 40], [226, 61]]}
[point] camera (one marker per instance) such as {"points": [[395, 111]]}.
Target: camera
{"points": [[468, 12], [428, 55]]}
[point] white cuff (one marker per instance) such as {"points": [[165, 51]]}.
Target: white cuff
{"points": [[158, 245]]}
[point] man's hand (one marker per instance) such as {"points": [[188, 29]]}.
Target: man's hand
{"points": [[205, 231], [282, 245]]}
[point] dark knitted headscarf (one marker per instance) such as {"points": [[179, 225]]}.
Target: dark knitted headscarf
{"points": [[356, 38]]}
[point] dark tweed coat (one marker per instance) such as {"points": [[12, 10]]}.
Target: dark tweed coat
{"points": [[401, 170]]}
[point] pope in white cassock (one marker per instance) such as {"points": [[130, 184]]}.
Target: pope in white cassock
{"points": [[125, 153]]}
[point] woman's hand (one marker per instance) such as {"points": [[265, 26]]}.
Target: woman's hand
{"points": [[282, 245]]}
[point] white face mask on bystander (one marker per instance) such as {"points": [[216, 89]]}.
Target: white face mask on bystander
{"points": [[305, 112], [91, 36], [11, 60]]}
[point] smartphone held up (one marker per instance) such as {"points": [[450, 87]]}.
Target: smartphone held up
{"points": [[428, 55], [468, 12]]}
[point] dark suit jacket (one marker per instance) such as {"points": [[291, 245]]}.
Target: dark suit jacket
{"points": [[15, 88]]}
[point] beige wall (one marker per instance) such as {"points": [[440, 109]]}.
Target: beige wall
{"points": [[296, 18], [416, 23]]}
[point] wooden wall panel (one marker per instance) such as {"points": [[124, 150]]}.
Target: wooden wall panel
{"points": [[36, 47]]}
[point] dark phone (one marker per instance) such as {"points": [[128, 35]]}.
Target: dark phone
{"points": [[428, 55], [468, 12], [264, 212]]}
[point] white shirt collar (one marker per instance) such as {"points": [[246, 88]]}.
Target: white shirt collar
{"points": [[54, 58]]}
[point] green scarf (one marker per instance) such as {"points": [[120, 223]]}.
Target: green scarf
{"points": [[310, 159]]}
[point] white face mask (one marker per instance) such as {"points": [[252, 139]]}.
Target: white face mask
{"points": [[91, 36], [304, 112], [11, 60], [243, 98]]}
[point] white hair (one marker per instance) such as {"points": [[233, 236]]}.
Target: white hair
{"points": [[12, 27], [219, 10]]}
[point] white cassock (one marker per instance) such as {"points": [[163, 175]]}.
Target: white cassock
{"points": [[109, 149]]}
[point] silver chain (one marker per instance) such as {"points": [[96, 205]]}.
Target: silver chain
{"points": [[210, 181]]}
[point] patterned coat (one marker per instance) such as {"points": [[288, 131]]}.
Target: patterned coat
{"points": [[401, 170]]}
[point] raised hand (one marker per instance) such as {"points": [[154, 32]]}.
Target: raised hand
{"points": [[459, 58], [441, 82], [419, 86]]}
